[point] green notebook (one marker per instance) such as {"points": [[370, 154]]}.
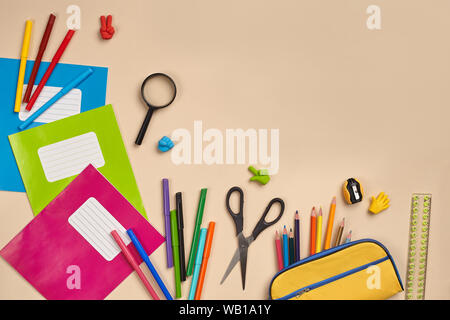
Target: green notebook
{"points": [[50, 156]]}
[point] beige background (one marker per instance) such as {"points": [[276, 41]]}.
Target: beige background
{"points": [[349, 102]]}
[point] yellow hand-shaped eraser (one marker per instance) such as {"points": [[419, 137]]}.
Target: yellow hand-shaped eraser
{"points": [[380, 203]]}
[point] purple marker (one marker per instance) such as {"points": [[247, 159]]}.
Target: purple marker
{"points": [[166, 206]]}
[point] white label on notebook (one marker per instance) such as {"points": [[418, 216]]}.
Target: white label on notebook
{"points": [[68, 105], [69, 157], [94, 223]]}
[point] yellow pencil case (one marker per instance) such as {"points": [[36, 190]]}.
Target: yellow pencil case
{"points": [[358, 270]]}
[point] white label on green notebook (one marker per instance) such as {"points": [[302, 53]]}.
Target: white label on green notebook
{"points": [[67, 106], [69, 157], [94, 223]]}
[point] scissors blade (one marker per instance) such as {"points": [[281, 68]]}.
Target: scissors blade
{"points": [[243, 249], [236, 257], [233, 262]]}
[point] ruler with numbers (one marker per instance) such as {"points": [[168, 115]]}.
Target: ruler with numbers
{"points": [[419, 227]]}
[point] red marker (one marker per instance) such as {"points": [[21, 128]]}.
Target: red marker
{"points": [[37, 61], [50, 68]]}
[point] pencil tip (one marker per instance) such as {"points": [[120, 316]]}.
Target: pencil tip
{"points": [[334, 200]]}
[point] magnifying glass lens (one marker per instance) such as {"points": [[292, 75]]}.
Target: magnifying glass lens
{"points": [[158, 91]]}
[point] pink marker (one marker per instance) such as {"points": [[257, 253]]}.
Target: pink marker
{"points": [[133, 263]]}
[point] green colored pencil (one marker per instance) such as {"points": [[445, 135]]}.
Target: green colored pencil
{"points": [[291, 248]]}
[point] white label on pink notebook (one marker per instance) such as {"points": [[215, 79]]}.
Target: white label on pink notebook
{"points": [[69, 157], [94, 223]]}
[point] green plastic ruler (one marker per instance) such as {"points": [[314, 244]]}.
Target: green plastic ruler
{"points": [[419, 227]]}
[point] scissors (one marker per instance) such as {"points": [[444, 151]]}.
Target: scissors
{"points": [[244, 242]]}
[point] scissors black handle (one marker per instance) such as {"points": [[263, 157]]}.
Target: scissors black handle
{"points": [[262, 223], [237, 216]]}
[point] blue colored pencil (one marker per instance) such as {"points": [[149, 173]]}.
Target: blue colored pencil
{"points": [[285, 248]]}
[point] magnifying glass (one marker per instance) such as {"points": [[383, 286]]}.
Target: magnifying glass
{"points": [[158, 91]]}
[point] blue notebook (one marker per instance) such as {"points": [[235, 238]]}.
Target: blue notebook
{"points": [[90, 94]]}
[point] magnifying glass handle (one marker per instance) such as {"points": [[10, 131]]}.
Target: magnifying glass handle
{"points": [[144, 127]]}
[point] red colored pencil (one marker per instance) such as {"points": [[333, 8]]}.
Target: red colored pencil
{"points": [[313, 232], [50, 68], [279, 253], [37, 61]]}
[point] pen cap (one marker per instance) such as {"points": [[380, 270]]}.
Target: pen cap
{"points": [[209, 237], [201, 205], [173, 227], [179, 208], [166, 199], [26, 39], [201, 246]]}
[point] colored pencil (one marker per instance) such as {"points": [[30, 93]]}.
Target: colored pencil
{"points": [[206, 253], [279, 253], [23, 64], [312, 249], [179, 206], [133, 263], [349, 237], [319, 232], [337, 240], [196, 234], [144, 256], [167, 223], [330, 224], [61, 93], [176, 257], [50, 68], [37, 61], [291, 248], [285, 248], [297, 236], [198, 262]]}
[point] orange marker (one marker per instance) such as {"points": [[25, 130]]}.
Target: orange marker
{"points": [[313, 232], [330, 224], [206, 252]]}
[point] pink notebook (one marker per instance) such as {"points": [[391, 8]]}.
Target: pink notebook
{"points": [[67, 252]]}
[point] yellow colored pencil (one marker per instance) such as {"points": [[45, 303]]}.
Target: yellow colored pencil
{"points": [[319, 232], [330, 224], [23, 63]]}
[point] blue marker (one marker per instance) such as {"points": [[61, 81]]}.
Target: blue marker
{"points": [[146, 259], [198, 262], [72, 84]]}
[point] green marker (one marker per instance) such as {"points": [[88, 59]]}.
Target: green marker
{"points": [[198, 223], [176, 253]]}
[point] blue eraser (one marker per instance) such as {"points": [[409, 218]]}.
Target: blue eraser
{"points": [[165, 144]]}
